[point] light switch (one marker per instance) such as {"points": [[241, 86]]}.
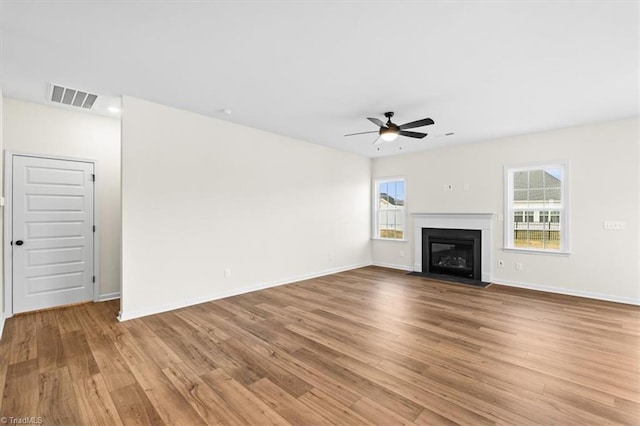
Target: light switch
{"points": [[614, 225]]}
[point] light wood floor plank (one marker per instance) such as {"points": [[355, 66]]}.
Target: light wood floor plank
{"points": [[134, 407], [367, 346], [209, 405], [58, 403], [290, 408], [94, 402]]}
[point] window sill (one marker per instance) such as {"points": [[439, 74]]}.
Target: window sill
{"points": [[535, 251], [389, 239]]}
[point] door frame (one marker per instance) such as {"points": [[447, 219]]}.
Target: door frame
{"points": [[8, 225]]}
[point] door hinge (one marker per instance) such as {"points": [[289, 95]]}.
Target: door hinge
{"points": [[94, 228], [93, 177], [94, 279]]}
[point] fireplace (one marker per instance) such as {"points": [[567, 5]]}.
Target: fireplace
{"points": [[452, 221], [454, 252]]}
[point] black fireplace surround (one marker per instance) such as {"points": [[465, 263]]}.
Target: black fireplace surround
{"points": [[454, 252]]}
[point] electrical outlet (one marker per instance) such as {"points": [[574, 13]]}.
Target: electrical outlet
{"points": [[519, 266], [466, 187], [227, 273], [500, 263], [613, 225], [447, 187]]}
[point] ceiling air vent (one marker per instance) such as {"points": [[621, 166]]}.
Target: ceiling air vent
{"points": [[72, 97]]}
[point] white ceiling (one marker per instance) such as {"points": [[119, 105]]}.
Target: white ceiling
{"points": [[316, 70]]}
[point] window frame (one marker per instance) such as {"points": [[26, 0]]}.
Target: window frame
{"points": [[375, 209], [509, 210]]}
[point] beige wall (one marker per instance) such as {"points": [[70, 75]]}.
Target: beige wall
{"points": [[603, 186], [201, 195], [38, 129]]}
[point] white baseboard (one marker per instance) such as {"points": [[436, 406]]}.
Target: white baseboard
{"points": [[150, 310], [109, 296], [569, 292], [393, 266]]}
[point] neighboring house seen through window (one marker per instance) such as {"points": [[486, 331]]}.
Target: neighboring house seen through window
{"points": [[536, 216], [389, 214]]}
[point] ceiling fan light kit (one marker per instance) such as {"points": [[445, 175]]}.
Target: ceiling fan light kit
{"points": [[389, 131], [388, 134]]}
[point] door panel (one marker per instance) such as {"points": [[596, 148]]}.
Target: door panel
{"points": [[53, 215], [55, 203], [54, 256]]}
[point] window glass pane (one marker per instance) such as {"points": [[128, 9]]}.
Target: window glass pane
{"points": [[536, 179], [536, 195], [382, 188], [400, 193], [541, 230], [383, 193], [382, 223], [552, 178], [520, 195], [552, 194], [520, 180], [396, 188], [521, 235], [392, 192], [528, 216]]}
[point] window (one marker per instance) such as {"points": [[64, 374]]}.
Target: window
{"points": [[389, 209], [536, 207]]}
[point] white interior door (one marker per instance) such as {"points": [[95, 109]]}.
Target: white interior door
{"points": [[52, 232]]}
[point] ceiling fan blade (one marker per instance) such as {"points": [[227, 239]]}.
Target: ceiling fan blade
{"points": [[361, 133], [413, 134], [418, 123], [376, 121]]}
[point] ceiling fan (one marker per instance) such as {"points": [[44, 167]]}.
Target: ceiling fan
{"points": [[390, 131]]}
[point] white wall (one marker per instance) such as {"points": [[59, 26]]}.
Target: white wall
{"points": [[200, 195], [1, 221], [603, 186], [38, 129]]}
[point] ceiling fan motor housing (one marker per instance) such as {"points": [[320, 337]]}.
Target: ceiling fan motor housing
{"points": [[392, 130]]}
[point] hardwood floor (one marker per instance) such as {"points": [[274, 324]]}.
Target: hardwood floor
{"points": [[369, 346]]}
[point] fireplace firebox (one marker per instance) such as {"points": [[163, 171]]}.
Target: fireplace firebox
{"points": [[454, 252]]}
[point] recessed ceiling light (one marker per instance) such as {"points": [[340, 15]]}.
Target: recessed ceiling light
{"points": [[113, 109]]}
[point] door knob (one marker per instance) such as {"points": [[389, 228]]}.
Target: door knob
{"points": [[19, 242]]}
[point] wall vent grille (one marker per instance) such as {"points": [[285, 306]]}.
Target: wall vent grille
{"points": [[72, 97]]}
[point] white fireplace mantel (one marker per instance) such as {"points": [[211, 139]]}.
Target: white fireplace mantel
{"points": [[477, 221]]}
